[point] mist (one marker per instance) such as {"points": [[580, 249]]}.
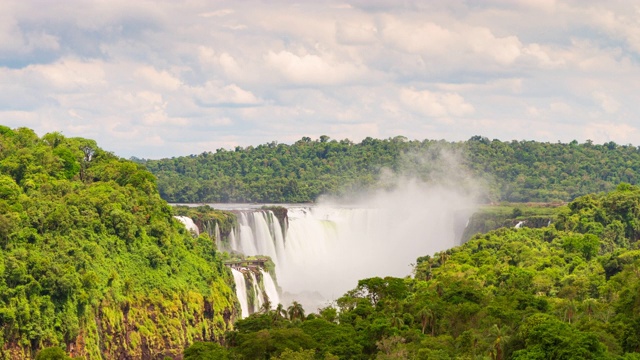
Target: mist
{"points": [[377, 233]]}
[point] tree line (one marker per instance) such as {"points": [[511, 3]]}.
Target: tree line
{"points": [[515, 171]]}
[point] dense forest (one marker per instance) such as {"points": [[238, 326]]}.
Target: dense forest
{"points": [[93, 265], [517, 171], [92, 262], [567, 291]]}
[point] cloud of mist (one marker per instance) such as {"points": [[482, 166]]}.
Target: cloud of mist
{"points": [[418, 212]]}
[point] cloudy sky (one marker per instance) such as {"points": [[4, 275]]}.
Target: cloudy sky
{"points": [[165, 78]]}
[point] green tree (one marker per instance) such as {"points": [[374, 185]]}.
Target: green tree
{"points": [[205, 351]]}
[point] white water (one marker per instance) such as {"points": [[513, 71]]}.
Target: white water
{"points": [[216, 234], [270, 289], [327, 248], [188, 223], [519, 224], [257, 293], [241, 292]]}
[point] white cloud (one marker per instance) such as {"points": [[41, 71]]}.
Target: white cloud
{"points": [[437, 105], [601, 132], [217, 13], [454, 40], [414, 37], [175, 76], [608, 104], [212, 94], [230, 66], [356, 33], [70, 74], [544, 5], [622, 23], [504, 50], [544, 57], [158, 79], [311, 69], [561, 108]]}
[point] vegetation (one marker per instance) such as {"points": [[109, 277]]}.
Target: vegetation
{"points": [[93, 264], [569, 291], [491, 217], [207, 219], [92, 261], [517, 171]]}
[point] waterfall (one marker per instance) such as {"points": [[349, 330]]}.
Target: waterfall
{"points": [[326, 250], [233, 243], [189, 224], [241, 292], [270, 289], [259, 234], [323, 250], [258, 296], [218, 237], [519, 224]]}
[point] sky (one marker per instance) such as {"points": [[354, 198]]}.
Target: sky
{"points": [[156, 79]]}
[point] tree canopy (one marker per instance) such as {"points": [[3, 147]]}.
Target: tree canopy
{"points": [[92, 260], [517, 171]]}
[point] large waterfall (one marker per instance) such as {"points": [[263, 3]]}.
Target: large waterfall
{"points": [[325, 249], [322, 250]]}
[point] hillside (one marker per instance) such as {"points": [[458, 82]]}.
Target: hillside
{"points": [[92, 260], [569, 291], [516, 171]]}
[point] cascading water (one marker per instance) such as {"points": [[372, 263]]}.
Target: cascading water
{"points": [[241, 292], [258, 295], [270, 289], [326, 249], [188, 223], [218, 237]]}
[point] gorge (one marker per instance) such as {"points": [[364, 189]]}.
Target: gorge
{"points": [[321, 250]]}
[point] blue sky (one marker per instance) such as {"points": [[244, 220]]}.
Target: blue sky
{"points": [[165, 78]]}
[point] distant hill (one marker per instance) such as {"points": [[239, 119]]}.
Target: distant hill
{"points": [[515, 171]]}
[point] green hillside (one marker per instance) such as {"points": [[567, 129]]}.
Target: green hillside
{"points": [[92, 260], [516, 171], [93, 264], [569, 291]]}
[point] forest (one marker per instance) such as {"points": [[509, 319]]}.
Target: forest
{"points": [[92, 260], [567, 291], [515, 171], [94, 266]]}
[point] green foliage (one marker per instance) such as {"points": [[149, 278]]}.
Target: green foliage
{"points": [[92, 259], [205, 351], [527, 293], [550, 338], [289, 354], [517, 171], [207, 219], [273, 342], [52, 353]]}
